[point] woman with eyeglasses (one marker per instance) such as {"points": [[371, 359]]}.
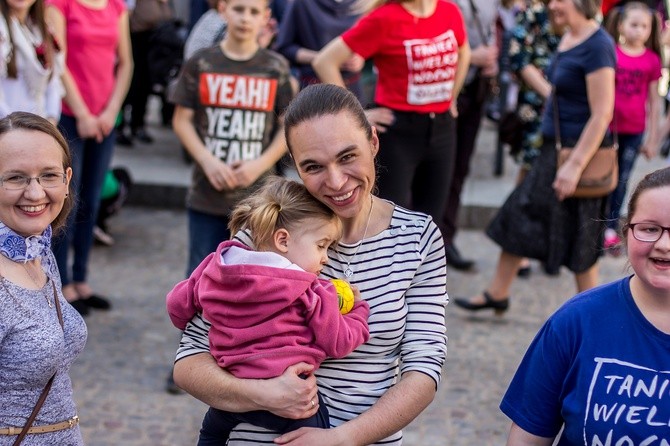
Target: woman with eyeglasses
{"points": [[40, 333], [599, 368]]}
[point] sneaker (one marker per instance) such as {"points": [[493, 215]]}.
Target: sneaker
{"points": [[612, 243], [101, 237]]}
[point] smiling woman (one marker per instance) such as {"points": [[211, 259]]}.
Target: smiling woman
{"points": [[40, 333]]}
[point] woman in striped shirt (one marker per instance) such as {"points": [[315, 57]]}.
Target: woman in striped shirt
{"points": [[393, 255]]}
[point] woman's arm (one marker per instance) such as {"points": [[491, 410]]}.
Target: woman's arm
{"points": [[519, 437], [124, 72], [534, 78], [87, 125], [650, 147], [328, 61], [600, 93], [288, 395], [461, 73]]}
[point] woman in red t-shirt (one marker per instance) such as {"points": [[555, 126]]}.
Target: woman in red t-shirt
{"points": [[420, 50]]}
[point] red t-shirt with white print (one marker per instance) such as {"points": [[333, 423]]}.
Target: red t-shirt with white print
{"points": [[416, 58]]}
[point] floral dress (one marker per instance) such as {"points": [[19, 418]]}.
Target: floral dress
{"points": [[533, 42]]}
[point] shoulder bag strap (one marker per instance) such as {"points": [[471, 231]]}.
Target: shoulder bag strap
{"points": [[45, 391]]}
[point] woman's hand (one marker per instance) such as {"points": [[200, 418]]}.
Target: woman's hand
{"points": [[380, 118], [308, 436], [290, 395], [566, 180], [106, 122], [87, 127], [354, 64]]}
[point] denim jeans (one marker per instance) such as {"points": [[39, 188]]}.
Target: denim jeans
{"points": [[629, 147], [205, 232], [90, 161]]}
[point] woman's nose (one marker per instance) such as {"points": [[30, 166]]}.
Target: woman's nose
{"points": [[336, 178]]}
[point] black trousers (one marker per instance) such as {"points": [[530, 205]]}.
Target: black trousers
{"points": [[416, 161], [140, 87]]}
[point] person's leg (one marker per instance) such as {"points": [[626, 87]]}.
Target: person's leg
{"points": [[587, 279], [62, 242], [216, 427], [629, 146], [433, 175], [95, 163], [402, 145], [140, 85], [205, 232], [281, 425], [467, 126]]}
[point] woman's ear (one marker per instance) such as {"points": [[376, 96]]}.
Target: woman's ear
{"points": [[374, 142], [280, 239]]}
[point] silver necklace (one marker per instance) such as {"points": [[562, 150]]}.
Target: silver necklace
{"points": [[347, 271]]}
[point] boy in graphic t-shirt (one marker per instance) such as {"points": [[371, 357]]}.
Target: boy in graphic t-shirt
{"points": [[228, 100]]}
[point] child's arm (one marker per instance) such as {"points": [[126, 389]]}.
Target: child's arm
{"points": [[247, 172], [218, 173], [183, 302], [650, 147], [336, 334]]}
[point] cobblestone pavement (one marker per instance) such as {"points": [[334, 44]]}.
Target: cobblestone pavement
{"points": [[119, 379]]}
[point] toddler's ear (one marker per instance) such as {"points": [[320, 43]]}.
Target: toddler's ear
{"points": [[280, 240]]}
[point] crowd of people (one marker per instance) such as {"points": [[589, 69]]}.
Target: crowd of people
{"points": [[376, 105]]}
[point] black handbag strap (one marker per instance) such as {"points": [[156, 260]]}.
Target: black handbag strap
{"points": [[47, 387]]}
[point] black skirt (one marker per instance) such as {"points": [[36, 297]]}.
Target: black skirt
{"points": [[533, 223]]}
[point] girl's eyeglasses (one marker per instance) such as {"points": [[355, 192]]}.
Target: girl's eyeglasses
{"points": [[648, 232]]}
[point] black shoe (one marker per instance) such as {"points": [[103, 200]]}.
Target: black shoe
{"points": [[123, 140], [524, 272], [81, 307], [171, 387], [498, 306], [142, 136], [454, 259], [97, 302]]}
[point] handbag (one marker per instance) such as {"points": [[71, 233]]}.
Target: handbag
{"points": [[601, 174], [47, 387]]}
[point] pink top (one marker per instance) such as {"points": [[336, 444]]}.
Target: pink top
{"points": [[266, 313], [633, 76], [92, 37]]}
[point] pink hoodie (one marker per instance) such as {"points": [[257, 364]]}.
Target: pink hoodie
{"points": [[266, 314]]}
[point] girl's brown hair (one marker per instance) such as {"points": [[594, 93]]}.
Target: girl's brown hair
{"points": [[617, 15], [32, 122], [280, 203], [653, 180], [36, 16]]}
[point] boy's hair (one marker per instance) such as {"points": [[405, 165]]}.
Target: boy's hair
{"points": [[618, 14], [279, 203]]}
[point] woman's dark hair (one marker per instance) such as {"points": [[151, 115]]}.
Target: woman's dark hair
{"points": [[654, 180], [617, 15], [320, 100], [32, 122], [589, 8], [36, 16]]}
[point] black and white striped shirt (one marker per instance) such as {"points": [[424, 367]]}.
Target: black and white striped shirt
{"points": [[401, 273]]}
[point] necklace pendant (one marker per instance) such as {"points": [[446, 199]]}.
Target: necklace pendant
{"points": [[348, 273]]}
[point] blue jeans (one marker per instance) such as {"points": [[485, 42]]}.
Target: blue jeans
{"points": [[205, 233], [90, 161], [629, 147], [217, 424]]}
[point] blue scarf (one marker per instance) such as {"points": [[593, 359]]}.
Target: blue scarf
{"points": [[24, 249]]}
